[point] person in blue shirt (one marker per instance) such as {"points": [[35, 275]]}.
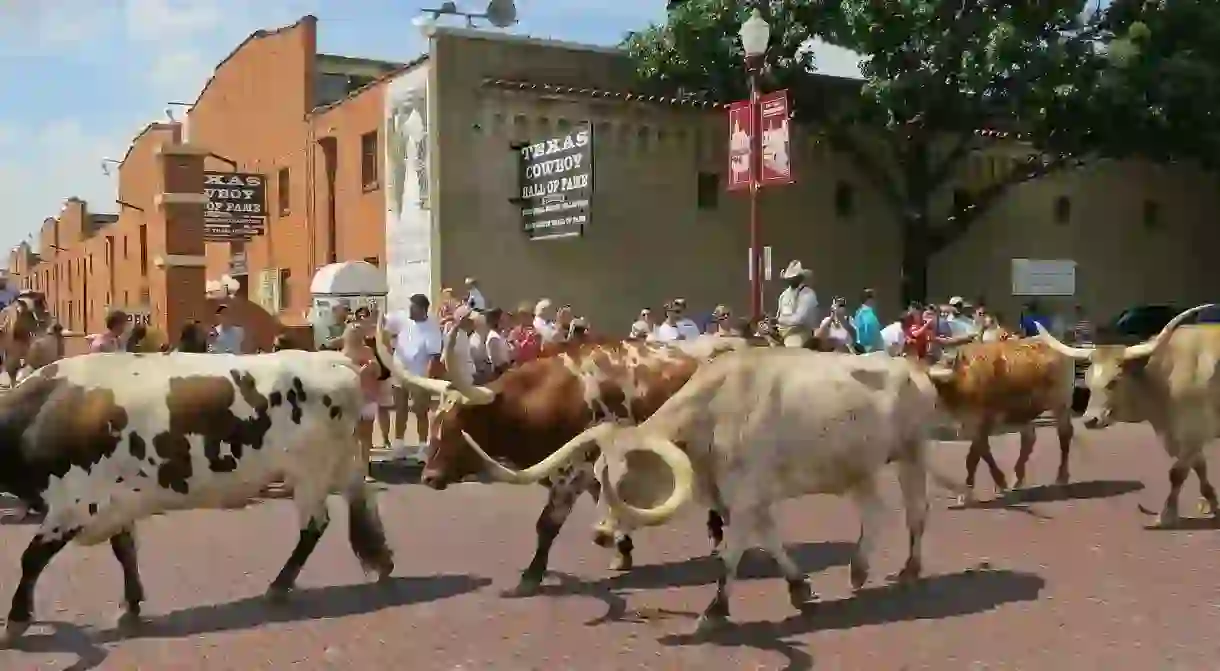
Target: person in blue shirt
{"points": [[1030, 316], [867, 325]]}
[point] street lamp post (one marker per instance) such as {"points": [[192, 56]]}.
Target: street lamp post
{"points": [[755, 34]]}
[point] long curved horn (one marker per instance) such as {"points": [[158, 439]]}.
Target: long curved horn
{"points": [[473, 395], [1078, 353], [1146, 349], [438, 387], [684, 476], [545, 467]]}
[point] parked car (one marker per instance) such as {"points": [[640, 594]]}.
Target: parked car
{"points": [[1135, 325]]}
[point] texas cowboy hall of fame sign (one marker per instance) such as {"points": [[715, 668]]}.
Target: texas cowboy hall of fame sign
{"points": [[237, 206], [557, 184]]}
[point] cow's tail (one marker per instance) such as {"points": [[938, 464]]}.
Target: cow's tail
{"points": [[366, 533]]}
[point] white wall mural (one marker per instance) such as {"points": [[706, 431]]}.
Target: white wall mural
{"points": [[408, 215]]}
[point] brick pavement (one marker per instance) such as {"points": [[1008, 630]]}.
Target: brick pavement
{"points": [[1056, 584]]}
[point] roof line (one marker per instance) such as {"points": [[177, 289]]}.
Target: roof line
{"points": [[626, 96], [674, 101], [256, 35], [373, 83]]}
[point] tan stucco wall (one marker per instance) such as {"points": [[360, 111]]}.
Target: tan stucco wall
{"points": [[648, 240]]}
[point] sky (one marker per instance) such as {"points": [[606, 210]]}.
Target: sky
{"points": [[79, 78]]}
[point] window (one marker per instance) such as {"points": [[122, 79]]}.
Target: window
{"points": [[144, 250], [845, 203], [707, 196], [284, 191], [125, 254], [1152, 214], [285, 288], [368, 160], [1063, 210]]}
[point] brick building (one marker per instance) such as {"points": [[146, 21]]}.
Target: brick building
{"points": [[434, 202]]}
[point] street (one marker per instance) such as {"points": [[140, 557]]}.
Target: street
{"points": [[1070, 579]]}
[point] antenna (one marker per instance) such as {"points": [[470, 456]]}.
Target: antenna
{"points": [[106, 162], [501, 13]]}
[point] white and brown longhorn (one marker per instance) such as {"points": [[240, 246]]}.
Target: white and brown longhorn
{"points": [[758, 426], [102, 441], [1171, 381], [534, 408]]}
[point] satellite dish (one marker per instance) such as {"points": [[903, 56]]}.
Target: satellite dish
{"points": [[501, 13]]}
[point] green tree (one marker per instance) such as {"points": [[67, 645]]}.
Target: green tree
{"points": [[1163, 91], [936, 74]]}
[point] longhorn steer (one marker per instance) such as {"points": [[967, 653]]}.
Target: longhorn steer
{"points": [[1172, 382], [990, 385], [103, 440], [532, 409], [753, 428]]}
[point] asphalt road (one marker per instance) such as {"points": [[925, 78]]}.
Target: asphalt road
{"points": [[1070, 581]]}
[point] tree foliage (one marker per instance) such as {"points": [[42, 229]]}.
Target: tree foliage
{"points": [[936, 73]]}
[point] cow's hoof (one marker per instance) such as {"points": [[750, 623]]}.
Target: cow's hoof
{"points": [[859, 577], [800, 594], [13, 631], [277, 596], [1206, 508], [1063, 479], [385, 571], [710, 623], [621, 563], [1166, 521], [909, 575], [128, 621], [528, 586], [1019, 484]]}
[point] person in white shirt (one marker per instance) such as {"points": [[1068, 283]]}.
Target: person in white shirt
{"points": [[417, 345], [668, 330], [463, 354], [686, 326], [474, 297], [641, 328], [836, 333], [894, 338], [498, 353], [798, 307], [544, 320]]}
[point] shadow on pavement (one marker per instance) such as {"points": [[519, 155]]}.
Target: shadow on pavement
{"points": [[64, 638], [755, 565], [1019, 499], [303, 604], [1075, 491], [937, 597], [395, 472]]}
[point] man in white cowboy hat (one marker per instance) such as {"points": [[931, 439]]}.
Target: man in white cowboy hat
{"points": [[798, 307], [474, 297]]}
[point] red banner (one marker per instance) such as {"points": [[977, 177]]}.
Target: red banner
{"points": [[739, 145], [776, 141]]}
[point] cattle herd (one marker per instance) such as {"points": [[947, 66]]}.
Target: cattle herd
{"points": [[102, 441]]}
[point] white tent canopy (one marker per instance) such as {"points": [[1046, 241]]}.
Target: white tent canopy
{"points": [[350, 278]]}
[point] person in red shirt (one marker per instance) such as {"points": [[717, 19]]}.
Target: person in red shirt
{"points": [[920, 330]]}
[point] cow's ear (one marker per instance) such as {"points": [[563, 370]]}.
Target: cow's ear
{"points": [[871, 378]]}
